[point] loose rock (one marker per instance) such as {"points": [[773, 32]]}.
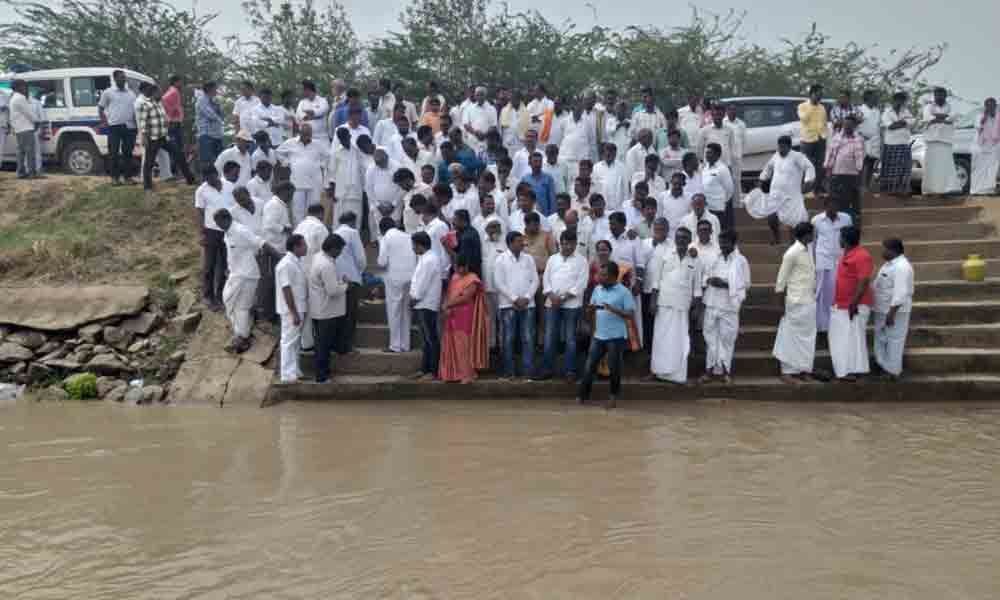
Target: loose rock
{"points": [[48, 348], [91, 333], [117, 394], [138, 346], [106, 364], [105, 385], [141, 324], [19, 368], [32, 340], [11, 352], [151, 394], [117, 337], [183, 324], [59, 352], [63, 364], [133, 395]]}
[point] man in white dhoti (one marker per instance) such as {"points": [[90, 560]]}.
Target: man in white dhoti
{"points": [[384, 196], [291, 298], [395, 255], [726, 284], [678, 282], [893, 303], [852, 304], [870, 130], [740, 143], [493, 245], [344, 175], [314, 231], [939, 159], [795, 344], [827, 251], [240, 292], [790, 173], [307, 158], [986, 151]]}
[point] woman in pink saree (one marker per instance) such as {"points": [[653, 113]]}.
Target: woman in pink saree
{"points": [[463, 345]]}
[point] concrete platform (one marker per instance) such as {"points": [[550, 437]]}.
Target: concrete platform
{"points": [[906, 232], [894, 216], [926, 291], [946, 388], [945, 270]]}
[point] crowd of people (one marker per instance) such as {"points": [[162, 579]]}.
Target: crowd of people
{"points": [[533, 223]]}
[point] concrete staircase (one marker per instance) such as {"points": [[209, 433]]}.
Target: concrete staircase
{"points": [[954, 335]]}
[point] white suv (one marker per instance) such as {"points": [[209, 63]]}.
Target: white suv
{"points": [[73, 136]]}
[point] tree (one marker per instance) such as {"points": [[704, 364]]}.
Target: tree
{"points": [[297, 42], [148, 36]]}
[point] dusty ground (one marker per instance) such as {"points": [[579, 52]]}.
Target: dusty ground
{"points": [[66, 229]]}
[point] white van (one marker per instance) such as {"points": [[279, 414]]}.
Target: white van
{"points": [[72, 136]]}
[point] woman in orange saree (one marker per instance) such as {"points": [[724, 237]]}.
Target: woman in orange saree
{"points": [[463, 345], [626, 277]]}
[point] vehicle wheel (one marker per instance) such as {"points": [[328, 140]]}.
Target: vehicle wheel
{"points": [[963, 169], [82, 158]]}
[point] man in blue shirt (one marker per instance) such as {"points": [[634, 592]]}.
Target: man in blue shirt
{"points": [[463, 156], [614, 306], [341, 111], [543, 184]]}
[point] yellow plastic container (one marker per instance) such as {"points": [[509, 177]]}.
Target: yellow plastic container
{"points": [[974, 268]]}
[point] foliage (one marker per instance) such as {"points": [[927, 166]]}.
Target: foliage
{"points": [[81, 386], [149, 36], [296, 42]]}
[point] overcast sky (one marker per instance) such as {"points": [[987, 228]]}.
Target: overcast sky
{"points": [[968, 26]]}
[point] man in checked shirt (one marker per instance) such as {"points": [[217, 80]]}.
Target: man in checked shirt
{"points": [[844, 161], [152, 122]]}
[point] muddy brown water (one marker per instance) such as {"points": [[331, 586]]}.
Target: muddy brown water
{"points": [[500, 500]]}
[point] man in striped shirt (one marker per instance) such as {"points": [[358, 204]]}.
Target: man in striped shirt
{"points": [[152, 123]]}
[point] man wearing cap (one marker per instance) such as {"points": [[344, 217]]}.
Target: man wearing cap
{"points": [[238, 153]]}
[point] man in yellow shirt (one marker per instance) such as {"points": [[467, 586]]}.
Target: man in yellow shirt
{"points": [[813, 119]]}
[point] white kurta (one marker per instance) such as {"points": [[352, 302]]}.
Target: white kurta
{"points": [[395, 253], [787, 174], [986, 157], [679, 281], [939, 160], [848, 341], [721, 324]]}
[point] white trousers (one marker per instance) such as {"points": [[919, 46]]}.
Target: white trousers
{"points": [[398, 314], [891, 341], [671, 344], [795, 344], [849, 341], [720, 328], [291, 344], [301, 201], [985, 164], [38, 150], [239, 296]]}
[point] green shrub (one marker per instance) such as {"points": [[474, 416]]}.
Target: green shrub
{"points": [[81, 386]]}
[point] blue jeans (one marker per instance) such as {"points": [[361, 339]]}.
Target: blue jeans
{"points": [[209, 149], [514, 321], [598, 348], [427, 320], [560, 323]]}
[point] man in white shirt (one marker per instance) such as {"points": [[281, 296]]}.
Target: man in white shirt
{"points": [[327, 302], [827, 252], [259, 185], [555, 168], [650, 175], [893, 304], [477, 118], [795, 344], [312, 110], [717, 132], [526, 204], [314, 231], [345, 179], [244, 106], [739, 144], [211, 196], [578, 139], [674, 204], [789, 173], [384, 196], [939, 160], [700, 213], [522, 158], [677, 284], [690, 118], [672, 156], [425, 298], [238, 153], [493, 245], [22, 123], [292, 301], [563, 285], [717, 184], [275, 227], [386, 128], [395, 255], [269, 118], [386, 99], [116, 108], [870, 130], [652, 251], [595, 226], [516, 280], [306, 157], [610, 179], [436, 229], [726, 284], [351, 263], [647, 116], [4, 117], [635, 158], [242, 246]]}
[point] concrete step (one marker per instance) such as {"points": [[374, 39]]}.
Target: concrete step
{"points": [[947, 270], [924, 313], [885, 201], [925, 291], [894, 216], [876, 233], [937, 388], [957, 250], [376, 336], [756, 363]]}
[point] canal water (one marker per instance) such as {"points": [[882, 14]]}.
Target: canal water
{"points": [[500, 500]]}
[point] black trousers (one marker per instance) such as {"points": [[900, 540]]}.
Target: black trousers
{"points": [[176, 155], [345, 340], [427, 320], [325, 333], [598, 348], [816, 153], [121, 141], [214, 265], [846, 191]]}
